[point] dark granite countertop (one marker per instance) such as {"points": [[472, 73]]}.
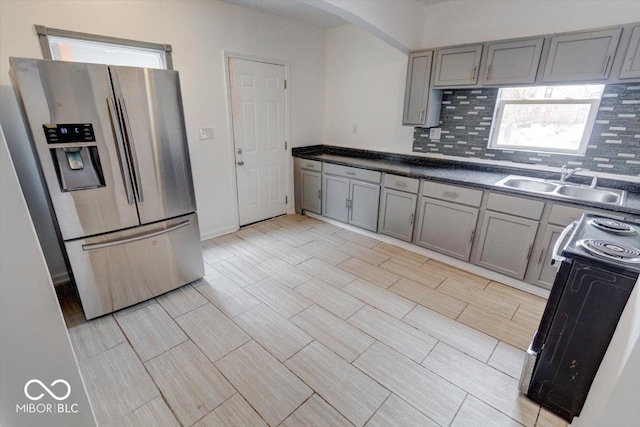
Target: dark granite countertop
{"points": [[468, 174]]}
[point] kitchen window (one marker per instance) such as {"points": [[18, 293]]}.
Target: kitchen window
{"points": [[63, 45], [555, 119]]}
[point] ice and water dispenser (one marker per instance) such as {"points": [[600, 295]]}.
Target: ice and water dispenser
{"points": [[75, 155]]}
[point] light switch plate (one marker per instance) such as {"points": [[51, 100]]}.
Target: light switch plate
{"points": [[435, 133], [206, 133]]}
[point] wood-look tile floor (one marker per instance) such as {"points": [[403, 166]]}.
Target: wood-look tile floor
{"points": [[298, 322]]}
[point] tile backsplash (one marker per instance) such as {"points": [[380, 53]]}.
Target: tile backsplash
{"points": [[467, 115]]}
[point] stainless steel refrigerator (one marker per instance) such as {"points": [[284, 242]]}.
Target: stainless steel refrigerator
{"points": [[112, 151]]}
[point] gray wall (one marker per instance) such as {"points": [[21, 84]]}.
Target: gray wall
{"points": [[467, 114], [34, 343]]}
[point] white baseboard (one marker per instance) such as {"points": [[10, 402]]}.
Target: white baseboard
{"points": [[219, 232], [480, 271]]}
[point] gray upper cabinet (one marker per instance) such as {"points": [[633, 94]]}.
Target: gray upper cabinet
{"points": [[311, 197], [512, 62], [582, 56], [505, 243], [446, 227], [631, 63], [457, 66], [421, 104]]}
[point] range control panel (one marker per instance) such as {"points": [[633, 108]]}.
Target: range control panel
{"points": [[64, 133]]}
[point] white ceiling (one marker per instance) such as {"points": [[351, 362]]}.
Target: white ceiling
{"points": [[430, 2], [297, 11]]}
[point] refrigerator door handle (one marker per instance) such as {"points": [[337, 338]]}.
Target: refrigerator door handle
{"points": [[124, 158], [132, 148], [136, 238], [556, 257]]}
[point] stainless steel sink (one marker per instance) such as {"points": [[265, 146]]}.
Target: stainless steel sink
{"points": [[591, 194], [530, 184], [564, 190]]}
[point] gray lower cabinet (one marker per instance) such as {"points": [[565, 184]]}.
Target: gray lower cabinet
{"points": [[335, 198], [351, 201], [582, 56], [397, 213], [631, 64], [505, 243], [446, 227], [544, 272], [363, 209], [311, 183]]}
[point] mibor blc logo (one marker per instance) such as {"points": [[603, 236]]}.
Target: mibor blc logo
{"points": [[35, 390]]}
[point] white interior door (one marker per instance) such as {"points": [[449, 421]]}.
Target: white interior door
{"points": [[258, 114]]}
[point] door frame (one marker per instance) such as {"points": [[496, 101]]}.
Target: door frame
{"points": [[287, 127]]}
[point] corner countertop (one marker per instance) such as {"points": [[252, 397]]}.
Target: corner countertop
{"points": [[455, 172]]}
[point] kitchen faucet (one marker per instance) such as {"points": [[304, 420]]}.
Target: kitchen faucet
{"points": [[566, 173]]}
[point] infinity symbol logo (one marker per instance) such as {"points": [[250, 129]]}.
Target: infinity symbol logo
{"points": [[52, 394]]}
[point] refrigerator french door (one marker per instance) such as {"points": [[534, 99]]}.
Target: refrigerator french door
{"points": [[111, 147]]}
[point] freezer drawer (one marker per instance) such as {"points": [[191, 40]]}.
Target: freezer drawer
{"points": [[120, 269]]}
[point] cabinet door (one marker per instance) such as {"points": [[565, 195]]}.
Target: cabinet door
{"points": [[513, 62], [631, 64], [545, 273], [505, 243], [584, 56], [397, 214], [365, 199], [457, 66], [447, 227], [335, 198], [416, 92], [311, 191]]}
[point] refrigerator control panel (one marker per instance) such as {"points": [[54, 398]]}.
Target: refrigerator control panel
{"points": [[65, 133]]}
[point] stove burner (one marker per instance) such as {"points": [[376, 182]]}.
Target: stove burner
{"points": [[611, 250], [612, 226]]}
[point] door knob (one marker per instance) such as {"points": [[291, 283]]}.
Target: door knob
{"points": [[239, 150], [240, 162]]}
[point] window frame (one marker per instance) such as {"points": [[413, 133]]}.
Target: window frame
{"points": [[43, 34], [584, 142]]}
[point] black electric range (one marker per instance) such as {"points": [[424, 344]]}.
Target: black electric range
{"points": [[600, 264]]}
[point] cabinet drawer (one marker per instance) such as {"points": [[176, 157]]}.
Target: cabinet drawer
{"points": [[452, 193], [525, 208], [312, 165], [402, 183], [356, 173], [564, 215]]}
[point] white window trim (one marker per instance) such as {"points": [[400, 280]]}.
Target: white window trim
{"points": [[584, 142], [44, 33]]}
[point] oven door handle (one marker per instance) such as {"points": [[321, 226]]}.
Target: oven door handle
{"points": [[556, 248]]}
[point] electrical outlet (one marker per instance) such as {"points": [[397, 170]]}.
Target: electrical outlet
{"points": [[435, 133], [206, 133]]}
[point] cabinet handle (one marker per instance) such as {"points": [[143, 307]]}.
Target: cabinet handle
{"points": [[529, 252], [350, 173], [473, 72], [541, 256], [411, 219], [449, 194], [319, 194], [488, 73], [401, 184], [309, 165], [421, 113], [473, 233], [606, 64]]}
